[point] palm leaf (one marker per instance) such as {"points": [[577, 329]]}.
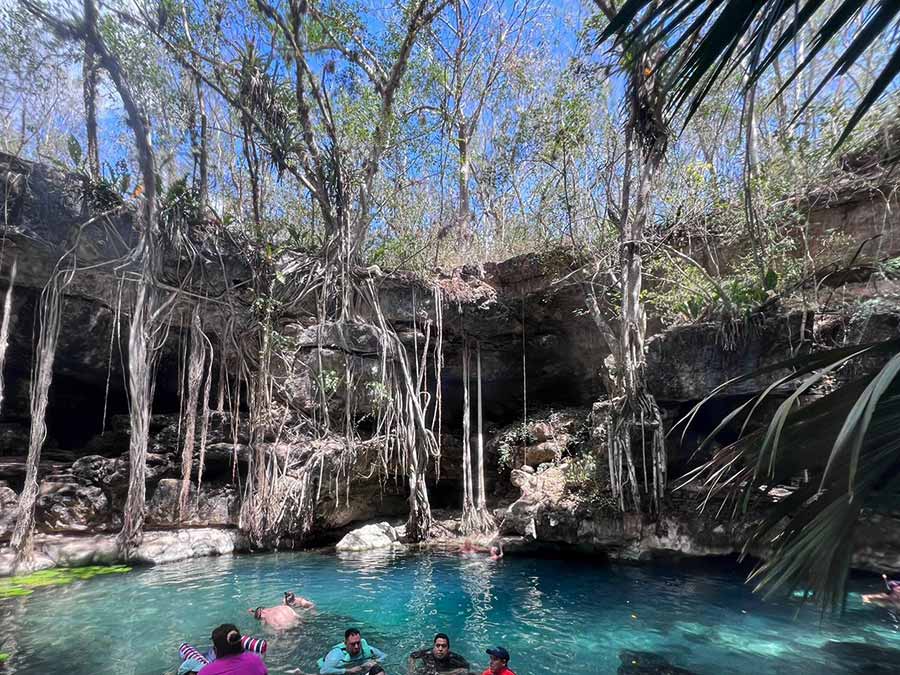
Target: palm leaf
{"points": [[709, 42], [848, 441]]}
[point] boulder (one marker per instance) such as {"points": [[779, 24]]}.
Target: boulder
{"points": [[9, 502], [170, 546], [112, 472], [547, 451], [542, 431], [97, 470], [71, 506], [157, 547], [540, 490], [369, 538], [217, 506]]}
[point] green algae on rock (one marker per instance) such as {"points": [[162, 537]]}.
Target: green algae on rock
{"points": [[25, 584]]}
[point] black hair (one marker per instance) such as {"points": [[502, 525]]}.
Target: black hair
{"points": [[375, 670], [257, 613], [227, 640], [289, 597], [349, 632], [442, 635]]}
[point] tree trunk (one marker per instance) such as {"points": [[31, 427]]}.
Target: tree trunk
{"points": [[50, 312], [485, 519], [141, 349], [636, 406], [140, 368], [195, 376], [4, 327], [203, 150], [469, 520], [465, 213], [89, 76]]}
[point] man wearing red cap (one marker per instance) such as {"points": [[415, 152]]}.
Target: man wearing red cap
{"points": [[499, 659]]}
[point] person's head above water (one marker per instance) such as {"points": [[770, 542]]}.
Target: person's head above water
{"points": [[353, 641], [289, 597], [375, 670], [499, 659], [441, 649], [257, 613], [226, 640]]}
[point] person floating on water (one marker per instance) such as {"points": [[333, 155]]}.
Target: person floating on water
{"points": [[468, 548], [353, 655], [496, 551], [891, 596], [192, 660], [499, 659], [231, 659], [284, 615], [438, 659], [292, 600]]}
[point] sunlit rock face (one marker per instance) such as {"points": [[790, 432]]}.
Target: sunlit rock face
{"points": [[55, 550], [547, 515]]}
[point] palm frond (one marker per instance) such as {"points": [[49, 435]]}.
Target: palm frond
{"points": [[709, 41], [847, 440]]}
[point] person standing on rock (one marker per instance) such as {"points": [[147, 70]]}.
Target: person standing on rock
{"points": [[499, 659], [353, 655], [438, 659]]}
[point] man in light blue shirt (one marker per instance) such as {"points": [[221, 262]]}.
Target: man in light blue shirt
{"points": [[353, 655]]}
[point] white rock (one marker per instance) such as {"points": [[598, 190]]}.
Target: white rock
{"points": [[369, 538]]}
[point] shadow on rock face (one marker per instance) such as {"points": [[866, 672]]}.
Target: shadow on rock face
{"points": [[648, 663]]}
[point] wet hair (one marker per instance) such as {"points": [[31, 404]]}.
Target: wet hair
{"points": [[227, 640], [257, 613], [349, 632], [442, 635], [375, 670], [289, 597]]}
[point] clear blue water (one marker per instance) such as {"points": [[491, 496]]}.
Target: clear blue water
{"points": [[554, 616]]}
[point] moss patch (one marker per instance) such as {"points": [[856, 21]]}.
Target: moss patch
{"points": [[25, 584]]}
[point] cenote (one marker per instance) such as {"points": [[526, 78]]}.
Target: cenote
{"points": [[554, 616]]}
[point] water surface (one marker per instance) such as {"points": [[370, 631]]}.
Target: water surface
{"points": [[554, 616]]}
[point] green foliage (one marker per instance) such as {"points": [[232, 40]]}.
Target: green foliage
{"points": [[180, 205], [688, 294], [584, 481], [401, 250], [515, 437], [329, 382], [890, 268], [378, 393], [110, 190], [25, 584]]}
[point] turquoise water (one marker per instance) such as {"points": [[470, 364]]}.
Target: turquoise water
{"points": [[554, 616]]}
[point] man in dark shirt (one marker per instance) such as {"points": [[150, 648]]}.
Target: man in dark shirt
{"points": [[438, 659]]}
